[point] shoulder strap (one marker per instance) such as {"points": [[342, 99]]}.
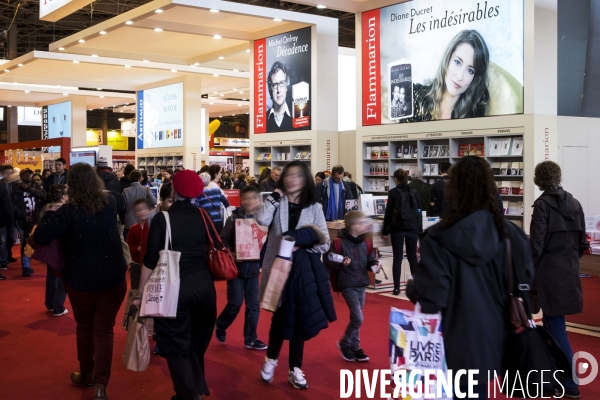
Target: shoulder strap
{"points": [[213, 204], [210, 229], [168, 242]]}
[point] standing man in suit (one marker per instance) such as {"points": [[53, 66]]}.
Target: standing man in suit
{"points": [[423, 188], [134, 192]]}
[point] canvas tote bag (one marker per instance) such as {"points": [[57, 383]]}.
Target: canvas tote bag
{"points": [[161, 292], [280, 271], [136, 356]]}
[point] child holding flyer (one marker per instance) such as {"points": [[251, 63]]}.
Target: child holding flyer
{"points": [[349, 260], [245, 286]]}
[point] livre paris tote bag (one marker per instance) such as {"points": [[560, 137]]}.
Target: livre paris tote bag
{"points": [[161, 292]]}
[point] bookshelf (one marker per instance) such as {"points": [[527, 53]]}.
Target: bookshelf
{"points": [[152, 164], [279, 156], [504, 152]]}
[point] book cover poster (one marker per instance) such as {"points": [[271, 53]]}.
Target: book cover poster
{"points": [[471, 51], [401, 89], [282, 82]]}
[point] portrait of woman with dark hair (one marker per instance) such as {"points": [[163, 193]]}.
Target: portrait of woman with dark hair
{"points": [[460, 87]]}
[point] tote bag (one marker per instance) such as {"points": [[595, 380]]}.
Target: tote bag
{"points": [[161, 292], [136, 356], [280, 272], [416, 343], [250, 237]]}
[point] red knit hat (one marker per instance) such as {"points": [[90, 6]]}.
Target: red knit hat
{"points": [[188, 184]]}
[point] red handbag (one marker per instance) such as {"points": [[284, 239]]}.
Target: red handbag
{"points": [[220, 261]]}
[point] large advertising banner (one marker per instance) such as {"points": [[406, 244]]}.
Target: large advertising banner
{"points": [[282, 71], [59, 123], [160, 117], [428, 60]]}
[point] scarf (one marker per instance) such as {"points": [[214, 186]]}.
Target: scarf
{"points": [[335, 211]]}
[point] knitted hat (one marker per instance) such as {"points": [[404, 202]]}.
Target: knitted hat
{"points": [[102, 163], [352, 217], [187, 183]]}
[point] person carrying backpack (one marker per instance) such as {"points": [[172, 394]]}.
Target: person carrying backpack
{"points": [[403, 220], [349, 276]]}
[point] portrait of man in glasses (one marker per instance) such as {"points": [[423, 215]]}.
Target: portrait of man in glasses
{"points": [[279, 117]]}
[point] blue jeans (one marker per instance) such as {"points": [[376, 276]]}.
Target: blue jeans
{"points": [[355, 299], [558, 329], [24, 234], [55, 292], [398, 239], [239, 289]]}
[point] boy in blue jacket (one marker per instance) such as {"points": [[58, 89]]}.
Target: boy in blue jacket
{"points": [[351, 277], [245, 286]]}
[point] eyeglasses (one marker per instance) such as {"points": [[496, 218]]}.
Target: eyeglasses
{"points": [[280, 85]]}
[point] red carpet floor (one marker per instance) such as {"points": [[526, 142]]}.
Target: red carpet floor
{"points": [[38, 354], [591, 301]]}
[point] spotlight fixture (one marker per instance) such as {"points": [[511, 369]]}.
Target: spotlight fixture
{"points": [[321, 6], [127, 66], [99, 88], [236, 70], [61, 48], [241, 92], [277, 19], [129, 23], [7, 70], [19, 65], [102, 32], [247, 50], [94, 55], [221, 58], [217, 37], [216, 75], [214, 10], [27, 91], [81, 41], [75, 62], [145, 61], [173, 70], [101, 97], [158, 30], [65, 94], [222, 95], [196, 64], [211, 103], [158, 11]]}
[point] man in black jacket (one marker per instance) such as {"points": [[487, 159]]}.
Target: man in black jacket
{"points": [[107, 175], [8, 231], [558, 240], [437, 201], [270, 184], [423, 188], [59, 176], [26, 202], [333, 193], [6, 217]]}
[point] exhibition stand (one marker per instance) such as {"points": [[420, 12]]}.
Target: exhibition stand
{"points": [[36, 154]]}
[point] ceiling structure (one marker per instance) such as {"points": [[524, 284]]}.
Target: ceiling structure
{"points": [[34, 34]]}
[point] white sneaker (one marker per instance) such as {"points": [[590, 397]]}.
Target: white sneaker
{"points": [[267, 372], [62, 313], [296, 379]]}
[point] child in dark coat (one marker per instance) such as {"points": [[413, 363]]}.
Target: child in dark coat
{"points": [[352, 277]]}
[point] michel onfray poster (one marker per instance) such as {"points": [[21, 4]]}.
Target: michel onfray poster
{"points": [[282, 71]]}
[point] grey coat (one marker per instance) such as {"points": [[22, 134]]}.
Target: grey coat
{"points": [[275, 215], [132, 193]]}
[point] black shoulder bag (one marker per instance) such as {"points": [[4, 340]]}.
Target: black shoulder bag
{"points": [[530, 348]]}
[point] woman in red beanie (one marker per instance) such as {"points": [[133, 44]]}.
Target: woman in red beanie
{"points": [[183, 340]]}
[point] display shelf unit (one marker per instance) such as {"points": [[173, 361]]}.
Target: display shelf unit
{"points": [[279, 156], [380, 158], [152, 164]]}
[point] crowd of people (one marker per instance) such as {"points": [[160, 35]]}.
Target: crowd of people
{"points": [[461, 271]]}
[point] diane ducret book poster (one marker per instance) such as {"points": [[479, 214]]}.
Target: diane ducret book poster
{"points": [[401, 88], [288, 81]]}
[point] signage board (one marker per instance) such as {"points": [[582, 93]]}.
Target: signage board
{"points": [[232, 142], [282, 82], [160, 117], [427, 60], [53, 10]]}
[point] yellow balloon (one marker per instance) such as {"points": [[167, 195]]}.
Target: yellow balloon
{"points": [[213, 126]]}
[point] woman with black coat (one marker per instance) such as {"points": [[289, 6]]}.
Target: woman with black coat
{"points": [[95, 271], [183, 340], [464, 274], [558, 240], [307, 306]]}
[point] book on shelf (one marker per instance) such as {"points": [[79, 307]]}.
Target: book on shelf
{"points": [[377, 185], [433, 151], [260, 156], [351, 205], [517, 147], [443, 151], [365, 204], [434, 169], [298, 155], [520, 207], [409, 168], [520, 168], [479, 149], [521, 190], [463, 149], [505, 149], [380, 203], [496, 168], [504, 168], [304, 155], [415, 151], [505, 206], [472, 149], [399, 151], [503, 187], [514, 168], [309, 156], [426, 169], [375, 153], [425, 151], [367, 155], [385, 152], [407, 151], [515, 187], [513, 208], [495, 146]]}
